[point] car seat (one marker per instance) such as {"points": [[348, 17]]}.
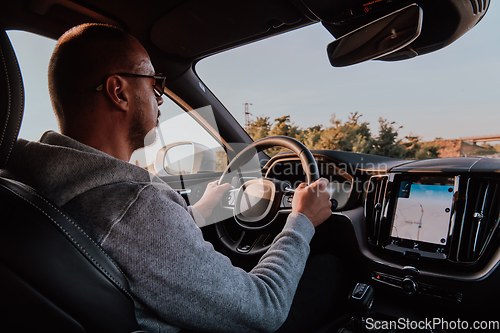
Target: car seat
{"points": [[53, 277]]}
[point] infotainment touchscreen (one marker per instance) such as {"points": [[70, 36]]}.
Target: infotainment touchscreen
{"points": [[422, 214]]}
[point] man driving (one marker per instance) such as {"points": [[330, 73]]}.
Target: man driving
{"points": [[106, 96]]}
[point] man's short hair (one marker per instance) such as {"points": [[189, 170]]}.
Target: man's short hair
{"points": [[82, 59]]}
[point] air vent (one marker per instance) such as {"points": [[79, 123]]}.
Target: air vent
{"points": [[479, 6], [374, 205], [480, 220]]}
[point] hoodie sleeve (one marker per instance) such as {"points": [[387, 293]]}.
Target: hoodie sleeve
{"points": [[196, 216], [179, 276]]}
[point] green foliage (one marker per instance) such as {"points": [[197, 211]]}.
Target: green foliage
{"points": [[259, 128], [428, 150], [412, 147], [353, 135], [387, 143], [418, 150]]}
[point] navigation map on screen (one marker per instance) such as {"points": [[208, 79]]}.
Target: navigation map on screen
{"points": [[423, 212]]}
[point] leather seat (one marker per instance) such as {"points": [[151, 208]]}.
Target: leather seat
{"points": [[53, 277]]}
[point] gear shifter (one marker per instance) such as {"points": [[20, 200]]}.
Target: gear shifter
{"points": [[360, 302], [361, 299]]}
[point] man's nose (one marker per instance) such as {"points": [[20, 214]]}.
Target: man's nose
{"points": [[159, 100]]}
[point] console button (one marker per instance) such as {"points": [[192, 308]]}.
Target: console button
{"points": [[388, 279], [412, 255], [409, 286]]}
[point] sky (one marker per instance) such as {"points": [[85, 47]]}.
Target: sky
{"points": [[450, 93]]}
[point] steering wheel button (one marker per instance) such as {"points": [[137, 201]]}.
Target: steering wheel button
{"points": [[244, 248], [286, 202]]}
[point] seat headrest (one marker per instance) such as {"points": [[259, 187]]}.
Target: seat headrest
{"points": [[11, 98]]}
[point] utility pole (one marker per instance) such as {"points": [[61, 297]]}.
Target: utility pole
{"points": [[247, 115]]}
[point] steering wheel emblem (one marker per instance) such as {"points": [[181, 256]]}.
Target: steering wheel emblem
{"points": [[258, 202], [254, 200]]}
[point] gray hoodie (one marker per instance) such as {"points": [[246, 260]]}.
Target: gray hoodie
{"points": [[176, 277]]}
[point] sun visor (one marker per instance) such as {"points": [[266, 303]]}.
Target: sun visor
{"points": [[196, 28]]}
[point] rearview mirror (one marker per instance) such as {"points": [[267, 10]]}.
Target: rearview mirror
{"points": [[378, 38]]}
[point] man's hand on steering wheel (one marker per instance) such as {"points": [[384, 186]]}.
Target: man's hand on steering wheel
{"points": [[212, 196], [313, 201]]}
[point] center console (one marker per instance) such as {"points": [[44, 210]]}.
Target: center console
{"points": [[420, 216], [437, 217], [432, 236]]}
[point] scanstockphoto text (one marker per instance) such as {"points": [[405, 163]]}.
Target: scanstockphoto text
{"points": [[431, 324]]}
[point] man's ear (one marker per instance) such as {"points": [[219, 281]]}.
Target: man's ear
{"points": [[118, 91]]}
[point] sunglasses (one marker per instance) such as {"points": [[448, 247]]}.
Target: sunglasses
{"points": [[158, 87]]}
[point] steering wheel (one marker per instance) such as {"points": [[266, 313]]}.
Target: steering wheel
{"points": [[257, 202]]}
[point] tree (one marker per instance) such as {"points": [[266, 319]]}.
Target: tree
{"points": [[412, 146], [428, 150], [282, 126], [417, 150], [259, 128], [311, 136], [352, 135], [387, 143]]}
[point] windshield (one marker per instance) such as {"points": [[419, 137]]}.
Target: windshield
{"points": [[442, 104]]}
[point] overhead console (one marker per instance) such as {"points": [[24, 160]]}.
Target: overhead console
{"points": [[435, 211]]}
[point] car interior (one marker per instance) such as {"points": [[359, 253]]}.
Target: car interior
{"points": [[56, 276]]}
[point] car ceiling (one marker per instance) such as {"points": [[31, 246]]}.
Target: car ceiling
{"points": [[181, 31], [177, 33]]}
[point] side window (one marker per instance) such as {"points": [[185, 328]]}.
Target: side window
{"points": [[183, 145], [33, 53]]}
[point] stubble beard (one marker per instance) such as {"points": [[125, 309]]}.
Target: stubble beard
{"points": [[138, 131]]}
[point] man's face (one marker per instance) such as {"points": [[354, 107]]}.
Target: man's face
{"points": [[146, 113]]}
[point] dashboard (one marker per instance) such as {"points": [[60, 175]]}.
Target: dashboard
{"points": [[340, 184], [425, 234], [348, 173]]}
